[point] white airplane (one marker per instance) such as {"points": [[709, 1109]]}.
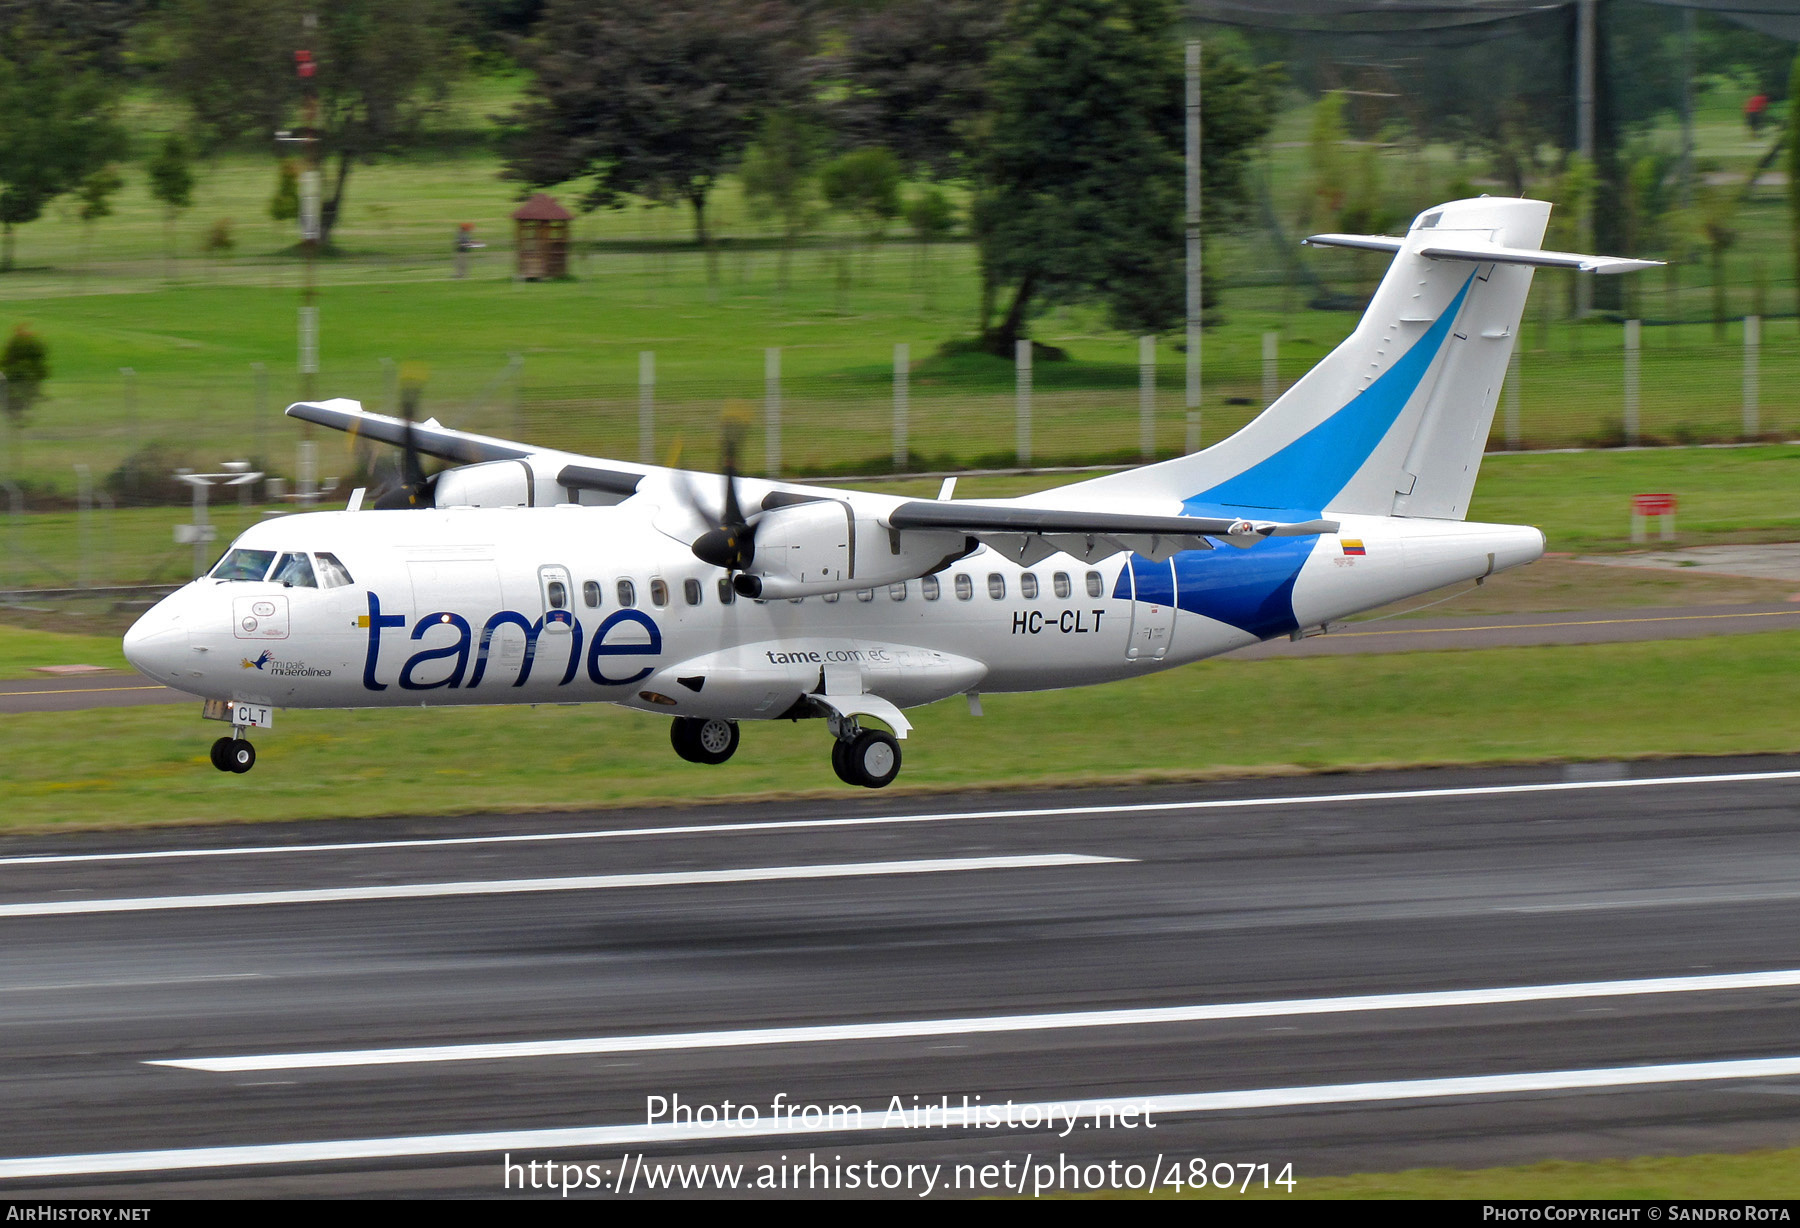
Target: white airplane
{"points": [[529, 575]]}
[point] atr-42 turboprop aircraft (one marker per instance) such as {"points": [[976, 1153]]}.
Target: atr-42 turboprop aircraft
{"points": [[528, 575]]}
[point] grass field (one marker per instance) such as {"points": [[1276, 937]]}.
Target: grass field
{"points": [[112, 767]]}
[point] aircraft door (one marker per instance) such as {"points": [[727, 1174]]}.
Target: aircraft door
{"points": [[1152, 609], [558, 593]]}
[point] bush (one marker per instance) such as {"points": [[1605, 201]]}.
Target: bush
{"points": [[147, 476], [218, 240], [25, 362]]}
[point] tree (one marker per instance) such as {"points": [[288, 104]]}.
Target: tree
{"points": [[57, 126], [1793, 169], [284, 203], [1715, 213], [911, 75], [932, 217], [95, 194], [655, 98], [380, 66], [866, 185], [778, 174], [1081, 195], [1325, 151], [25, 365], [171, 172]]}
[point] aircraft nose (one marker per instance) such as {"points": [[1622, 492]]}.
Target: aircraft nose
{"points": [[157, 644]]}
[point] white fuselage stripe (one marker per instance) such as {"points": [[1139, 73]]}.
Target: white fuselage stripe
{"points": [[518, 886], [979, 1025], [1042, 812], [877, 1119]]}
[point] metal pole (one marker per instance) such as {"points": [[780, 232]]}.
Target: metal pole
{"points": [[1752, 353], [130, 377], [902, 372], [1633, 331], [1687, 107], [84, 501], [261, 434], [1271, 368], [1584, 131], [647, 406], [772, 409], [1512, 400], [1147, 396], [1022, 393], [1193, 244]]}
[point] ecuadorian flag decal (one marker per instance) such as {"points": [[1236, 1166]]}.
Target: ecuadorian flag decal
{"points": [[1353, 546]]}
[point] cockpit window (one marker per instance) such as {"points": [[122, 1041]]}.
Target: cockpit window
{"points": [[244, 565], [332, 574], [295, 571]]}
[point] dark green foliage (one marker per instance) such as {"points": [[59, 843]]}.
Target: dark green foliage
{"points": [[655, 98], [284, 203], [25, 362], [171, 172], [1081, 191], [866, 185], [1793, 171], [57, 126]]}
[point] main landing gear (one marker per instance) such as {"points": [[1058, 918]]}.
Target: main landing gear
{"points": [[233, 755], [700, 739], [865, 757]]}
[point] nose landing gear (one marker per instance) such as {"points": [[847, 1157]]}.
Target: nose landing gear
{"points": [[233, 755]]}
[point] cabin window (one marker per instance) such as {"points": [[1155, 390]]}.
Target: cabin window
{"points": [[965, 587], [896, 592], [996, 586], [1060, 584], [1095, 587], [690, 591], [627, 594], [590, 594], [659, 593], [929, 589], [1028, 586], [295, 571], [332, 574], [244, 565], [865, 594], [558, 593], [727, 594]]}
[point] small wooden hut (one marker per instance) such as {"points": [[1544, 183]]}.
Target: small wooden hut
{"points": [[541, 231]]}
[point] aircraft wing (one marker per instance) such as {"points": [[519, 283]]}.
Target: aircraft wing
{"points": [[1031, 534], [445, 444]]}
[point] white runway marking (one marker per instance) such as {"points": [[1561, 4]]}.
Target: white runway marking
{"points": [[564, 1139], [518, 886], [978, 1025], [1046, 812]]}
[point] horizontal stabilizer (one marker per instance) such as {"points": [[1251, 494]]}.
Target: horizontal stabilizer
{"points": [[1478, 252]]}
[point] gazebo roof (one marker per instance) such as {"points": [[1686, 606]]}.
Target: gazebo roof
{"points": [[542, 208]]}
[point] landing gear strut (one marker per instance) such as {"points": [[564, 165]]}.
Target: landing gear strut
{"points": [[701, 739], [865, 757], [233, 755]]}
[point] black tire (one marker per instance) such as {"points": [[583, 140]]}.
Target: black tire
{"points": [[700, 739], [241, 757], [874, 758], [220, 753], [841, 764]]}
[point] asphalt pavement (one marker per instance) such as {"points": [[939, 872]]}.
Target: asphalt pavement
{"points": [[1338, 973]]}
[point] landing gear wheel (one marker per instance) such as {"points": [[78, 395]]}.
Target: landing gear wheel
{"points": [[240, 756], [702, 739], [221, 752], [870, 759]]}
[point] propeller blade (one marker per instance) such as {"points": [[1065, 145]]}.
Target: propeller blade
{"points": [[731, 542], [414, 487]]}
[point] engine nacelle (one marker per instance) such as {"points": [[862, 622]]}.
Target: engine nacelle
{"points": [[501, 483], [823, 546]]}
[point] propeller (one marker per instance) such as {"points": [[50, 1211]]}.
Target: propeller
{"points": [[731, 542], [410, 486]]}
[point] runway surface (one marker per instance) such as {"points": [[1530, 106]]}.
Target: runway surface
{"points": [[1342, 973], [1384, 636]]}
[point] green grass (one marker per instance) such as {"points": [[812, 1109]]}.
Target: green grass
{"points": [[22, 650], [148, 765]]}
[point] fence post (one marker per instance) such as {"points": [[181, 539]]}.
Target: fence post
{"points": [[1752, 355], [1022, 382], [902, 365], [1633, 334], [129, 375], [84, 500], [1271, 370], [1147, 396], [647, 406], [1513, 441], [772, 409], [260, 372]]}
